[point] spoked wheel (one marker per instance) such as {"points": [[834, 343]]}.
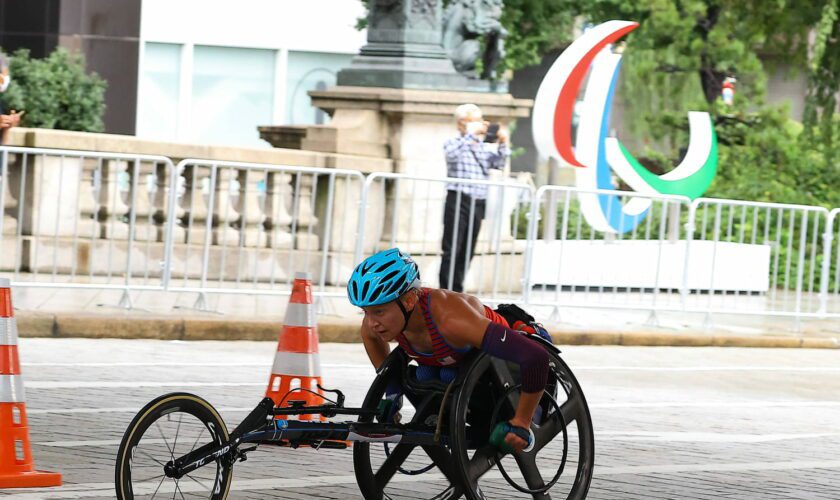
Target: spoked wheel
{"points": [[562, 441], [375, 470], [165, 429]]}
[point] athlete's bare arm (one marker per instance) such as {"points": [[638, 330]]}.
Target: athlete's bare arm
{"points": [[377, 349], [461, 319]]}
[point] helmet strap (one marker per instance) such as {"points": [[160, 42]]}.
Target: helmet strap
{"points": [[406, 314]]}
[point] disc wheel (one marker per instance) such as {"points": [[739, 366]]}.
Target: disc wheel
{"points": [[488, 379], [374, 469], [167, 428]]}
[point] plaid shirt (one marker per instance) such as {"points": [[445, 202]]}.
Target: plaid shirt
{"points": [[469, 158]]}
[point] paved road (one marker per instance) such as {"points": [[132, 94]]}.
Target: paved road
{"points": [[669, 422]]}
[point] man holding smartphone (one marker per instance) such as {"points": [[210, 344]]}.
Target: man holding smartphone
{"points": [[479, 146]]}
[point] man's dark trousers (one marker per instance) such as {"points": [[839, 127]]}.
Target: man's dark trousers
{"points": [[462, 217]]}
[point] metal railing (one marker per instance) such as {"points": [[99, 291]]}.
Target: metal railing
{"points": [[105, 232], [638, 264], [247, 228], [782, 239], [476, 251], [92, 220], [830, 282]]}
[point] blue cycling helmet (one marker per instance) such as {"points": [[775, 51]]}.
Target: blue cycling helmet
{"points": [[383, 277]]}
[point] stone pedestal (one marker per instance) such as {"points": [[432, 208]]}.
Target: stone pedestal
{"points": [[399, 123], [411, 125]]}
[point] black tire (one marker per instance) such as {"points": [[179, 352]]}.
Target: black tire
{"points": [[367, 456], [489, 377], [142, 452]]}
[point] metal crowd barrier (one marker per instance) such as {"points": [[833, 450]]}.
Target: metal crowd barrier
{"points": [[104, 232], [408, 211], [108, 221], [779, 244], [635, 260], [830, 282], [246, 228]]}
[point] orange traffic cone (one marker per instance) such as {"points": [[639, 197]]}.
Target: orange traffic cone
{"points": [[16, 466], [297, 362]]}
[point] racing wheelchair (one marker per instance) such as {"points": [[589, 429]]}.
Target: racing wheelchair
{"points": [[451, 424]]}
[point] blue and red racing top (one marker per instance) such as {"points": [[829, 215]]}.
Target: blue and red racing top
{"points": [[443, 354]]}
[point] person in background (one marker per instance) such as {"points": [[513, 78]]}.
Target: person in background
{"points": [[470, 156], [12, 119]]}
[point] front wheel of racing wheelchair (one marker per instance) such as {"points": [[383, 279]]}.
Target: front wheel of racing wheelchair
{"points": [[559, 464]]}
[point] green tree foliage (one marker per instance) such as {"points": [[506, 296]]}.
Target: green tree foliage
{"points": [[535, 28], [677, 60], [822, 129], [55, 92]]}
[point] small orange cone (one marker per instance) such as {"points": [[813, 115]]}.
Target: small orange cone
{"points": [[17, 469], [297, 362]]}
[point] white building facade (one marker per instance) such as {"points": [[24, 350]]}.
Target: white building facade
{"points": [[212, 71]]}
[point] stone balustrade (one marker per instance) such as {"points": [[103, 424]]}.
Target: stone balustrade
{"points": [[79, 216], [105, 217]]}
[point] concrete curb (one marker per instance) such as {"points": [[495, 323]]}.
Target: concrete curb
{"points": [[691, 340], [132, 326]]}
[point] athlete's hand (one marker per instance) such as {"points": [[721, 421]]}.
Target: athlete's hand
{"points": [[393, 394], [514, 441], [506, 440]]}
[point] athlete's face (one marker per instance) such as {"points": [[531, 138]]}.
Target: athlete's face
{"points": [[387, 321]]}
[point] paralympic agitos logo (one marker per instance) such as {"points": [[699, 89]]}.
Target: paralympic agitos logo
{"points": [[597, 155]]}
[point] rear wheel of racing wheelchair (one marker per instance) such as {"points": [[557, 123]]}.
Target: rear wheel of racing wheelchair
{"points": [[376, 464], [560, 463], [169, 427]]}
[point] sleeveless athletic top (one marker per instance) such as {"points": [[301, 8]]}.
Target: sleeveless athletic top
{"points": [[443, 354]]}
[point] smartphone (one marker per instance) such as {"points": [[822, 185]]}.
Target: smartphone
{"points": [[492, 134]]}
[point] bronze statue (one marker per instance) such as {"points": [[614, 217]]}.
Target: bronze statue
{"points": [[464, 23]]}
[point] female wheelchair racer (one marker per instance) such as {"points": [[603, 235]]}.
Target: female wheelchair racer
{"points": [[438, 328], [477, 402]]}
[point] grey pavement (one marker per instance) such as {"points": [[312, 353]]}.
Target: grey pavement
{"points": [[669, 422]]}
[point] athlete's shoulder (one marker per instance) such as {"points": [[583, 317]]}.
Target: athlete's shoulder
{"points": [[443, 301]]}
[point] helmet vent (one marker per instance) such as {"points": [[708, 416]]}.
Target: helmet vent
{"points": [[384, 266]]}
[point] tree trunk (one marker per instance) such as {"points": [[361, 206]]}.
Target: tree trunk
{"points": [[710, 79]]}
